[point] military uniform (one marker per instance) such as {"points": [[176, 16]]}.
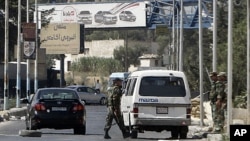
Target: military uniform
{"points": [[113, 106], [212, 94], [221, 92]]}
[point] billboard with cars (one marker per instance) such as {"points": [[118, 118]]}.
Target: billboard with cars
{"points": [[98, 15]]}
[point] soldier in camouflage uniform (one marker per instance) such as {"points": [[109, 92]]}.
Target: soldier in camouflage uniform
{"points": [[221, 103], [212, 94], [113, 104]]}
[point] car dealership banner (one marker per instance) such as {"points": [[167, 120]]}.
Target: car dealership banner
{"points": [[98, 15]]}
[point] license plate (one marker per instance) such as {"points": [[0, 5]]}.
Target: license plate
{"points": [[162, 110], [59, 109]]}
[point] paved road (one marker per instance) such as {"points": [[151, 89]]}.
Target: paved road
{"points": [[95, 123]]}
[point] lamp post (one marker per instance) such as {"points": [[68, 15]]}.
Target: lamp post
{"points": [[28, 60], [173, 34], [201, 63], [36, 42], [181, 39], [6, 59], [248, 61], [18, 80], [214, 35], [230, 63]]}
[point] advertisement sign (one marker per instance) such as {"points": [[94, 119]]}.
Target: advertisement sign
{"points": [[61, 38], [98, 15]]}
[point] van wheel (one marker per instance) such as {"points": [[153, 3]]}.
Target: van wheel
{"points": [[174, 134], [134, 134], [183, 135], [183, 132]]}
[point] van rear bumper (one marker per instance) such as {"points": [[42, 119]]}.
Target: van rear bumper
{"points": [[162, 122]]}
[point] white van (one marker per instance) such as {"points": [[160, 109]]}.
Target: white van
{"points": [[157, 100]]}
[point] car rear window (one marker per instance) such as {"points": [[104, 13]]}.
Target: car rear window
{"points": [[162, 87], [58, 94], [85, 12]]}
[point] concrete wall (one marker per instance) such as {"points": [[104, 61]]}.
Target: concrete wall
{"points": [[100, 48]]}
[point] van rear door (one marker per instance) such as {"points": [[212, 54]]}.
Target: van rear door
{"points": [[161, 97]]}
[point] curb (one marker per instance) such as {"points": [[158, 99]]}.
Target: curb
{"points": [[17, 112]]}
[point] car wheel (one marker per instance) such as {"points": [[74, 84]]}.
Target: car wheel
{"points": [[103, 101], [30, 125], [30, 133], [134, 134], [80, 130]]}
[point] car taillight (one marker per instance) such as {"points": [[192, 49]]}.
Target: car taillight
{"points": [[135, 110], [39, 107], [78, 107], [188, 111]]}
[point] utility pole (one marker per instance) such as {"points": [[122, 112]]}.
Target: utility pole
{"points": [[201, 63], [214, 35], [18, 80], [28, 60], [173, 37], [181, 38], [229, 64], [37, 45], [248, 61], [6, 58]]}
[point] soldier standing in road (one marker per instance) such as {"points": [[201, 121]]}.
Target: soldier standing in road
{"points": [[113, 104], [212, 94], [221, 91]]}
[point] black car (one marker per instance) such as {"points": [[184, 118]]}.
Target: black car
{"points": [[56, 108]]}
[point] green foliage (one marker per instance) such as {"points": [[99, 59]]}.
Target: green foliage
{"points": [[115, 34], [132, 54], [163, 41], [97, 66]]}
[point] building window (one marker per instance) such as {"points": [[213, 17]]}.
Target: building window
{"points": [[69, 65], [156, 63]]}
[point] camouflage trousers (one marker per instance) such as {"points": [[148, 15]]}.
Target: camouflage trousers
{"points": [[114, 113], [213, 109], [219, 121]]}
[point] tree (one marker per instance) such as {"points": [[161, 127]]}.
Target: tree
{"points": [[131, 54]]}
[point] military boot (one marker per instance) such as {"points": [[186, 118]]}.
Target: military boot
{"points": [[106, 135]]}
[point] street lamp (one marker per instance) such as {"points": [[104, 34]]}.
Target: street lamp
{"points": [[6, 59], [36, 42]]}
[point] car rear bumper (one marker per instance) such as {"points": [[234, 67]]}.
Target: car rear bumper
{"points": [[60, 122], [161, 122]]}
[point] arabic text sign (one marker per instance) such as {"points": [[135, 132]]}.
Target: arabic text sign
{"points": [[61, 38]]}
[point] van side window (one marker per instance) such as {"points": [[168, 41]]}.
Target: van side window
{"points": [[131, 87]]}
